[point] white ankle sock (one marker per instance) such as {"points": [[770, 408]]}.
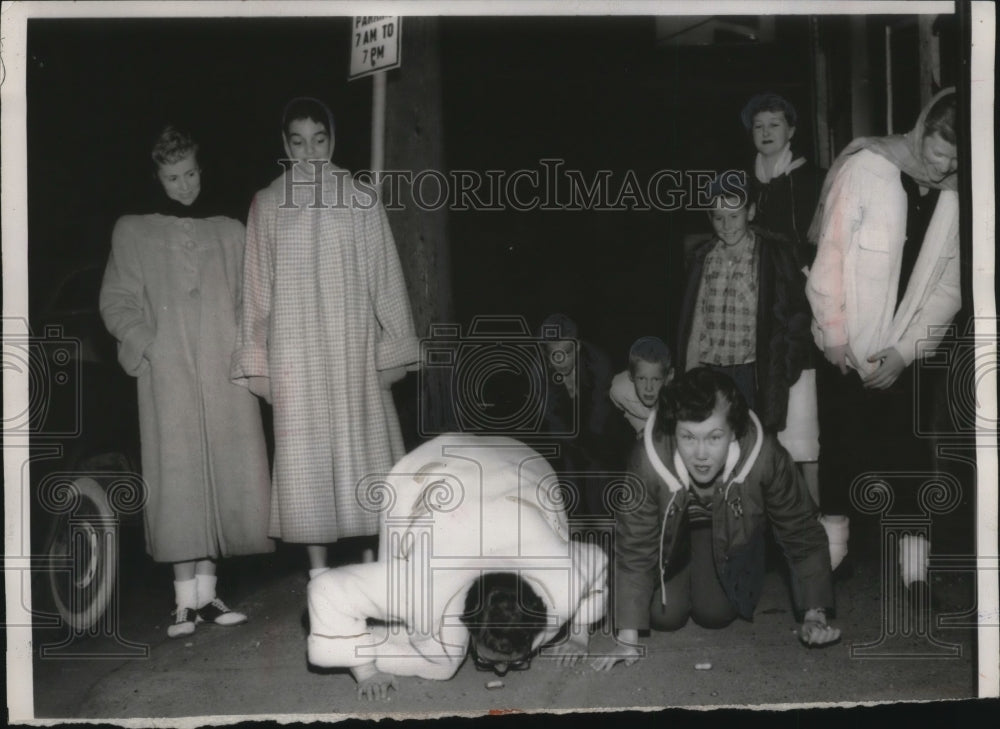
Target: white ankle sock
{"points": [[206, 589], [185, 593], [913, 558], [837, 532]]}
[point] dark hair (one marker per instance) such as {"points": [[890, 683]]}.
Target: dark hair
{"points": [[556, 327], [940, 119], [768, 102], [649, 349], [731, 184], [172, 145], [694, 396], [306, 107], [504, 614]]}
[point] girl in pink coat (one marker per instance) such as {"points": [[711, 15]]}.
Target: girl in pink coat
{"points": [[884, 285]]}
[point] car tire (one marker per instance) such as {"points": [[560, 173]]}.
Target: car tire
{"points": [[88, 537]]}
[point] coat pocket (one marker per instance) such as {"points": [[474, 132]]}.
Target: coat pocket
{"points": [[873, 253]]}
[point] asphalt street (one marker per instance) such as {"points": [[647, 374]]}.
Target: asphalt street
{"points": [[260, 669]]}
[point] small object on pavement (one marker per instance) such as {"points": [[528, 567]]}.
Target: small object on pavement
{"points": [[706, 666], [494, 684]]}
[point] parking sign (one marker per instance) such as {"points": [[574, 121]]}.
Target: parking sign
{"points": [[375, 43]]}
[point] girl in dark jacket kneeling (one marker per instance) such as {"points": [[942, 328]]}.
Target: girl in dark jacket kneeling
{"points": [[693, 546]]}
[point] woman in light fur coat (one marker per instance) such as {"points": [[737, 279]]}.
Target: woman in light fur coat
{"points": [[170, 296]]}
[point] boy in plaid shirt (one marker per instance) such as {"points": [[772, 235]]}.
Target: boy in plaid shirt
{"points": [[744, 311]]}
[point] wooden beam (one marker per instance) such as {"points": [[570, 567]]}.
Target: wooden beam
{"points": [[861, 113]]}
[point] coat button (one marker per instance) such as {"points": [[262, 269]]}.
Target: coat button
{"points": [[195, 293]]}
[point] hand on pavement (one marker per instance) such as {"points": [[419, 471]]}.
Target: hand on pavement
{"points": [[376, 686], [815, 630], [629, 654], [571, 651]]}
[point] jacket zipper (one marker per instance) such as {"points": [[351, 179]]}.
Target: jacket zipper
{"points": [[663, 532]]}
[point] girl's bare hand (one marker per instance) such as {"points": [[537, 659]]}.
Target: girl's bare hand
{"points": [[628, 654], [570, 652], [815, 630], [376, 687], [890, 367]]}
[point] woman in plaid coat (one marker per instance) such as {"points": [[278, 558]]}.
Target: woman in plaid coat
{"points": [[326, 329]]}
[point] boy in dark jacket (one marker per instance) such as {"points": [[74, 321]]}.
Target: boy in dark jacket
{"points": [[578, 416], [744, 311], [693, 546]]}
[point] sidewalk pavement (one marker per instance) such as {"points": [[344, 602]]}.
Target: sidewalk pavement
{"points": [[260, 670]]}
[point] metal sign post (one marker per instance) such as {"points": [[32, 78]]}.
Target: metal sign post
{"points": [[375, 48]]}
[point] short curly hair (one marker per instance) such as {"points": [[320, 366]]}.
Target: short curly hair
{"points": [[695, 395], [504, 614], [768, 102], [173, 145]]}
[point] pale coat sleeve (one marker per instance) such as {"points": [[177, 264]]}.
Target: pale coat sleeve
{"points": [[941, 303], [436, 657], [619, 390], [123, 300], [342, 600], [842, 214], [622, 395], [256, 291], [398, 345], [591, 568]]}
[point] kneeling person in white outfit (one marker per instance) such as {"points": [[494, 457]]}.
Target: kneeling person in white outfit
{"points": [[474, 556]]}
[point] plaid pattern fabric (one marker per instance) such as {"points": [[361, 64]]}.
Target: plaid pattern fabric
{"points": [[727, 300], [325, 306]]}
